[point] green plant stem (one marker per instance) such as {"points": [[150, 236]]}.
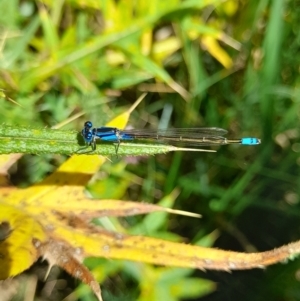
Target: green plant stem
{"points": [[14, 139]]}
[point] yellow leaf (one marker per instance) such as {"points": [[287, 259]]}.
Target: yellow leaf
{"points": [[17, 252], [213, 47], [163, 49], [230, 7], [146, 41]]}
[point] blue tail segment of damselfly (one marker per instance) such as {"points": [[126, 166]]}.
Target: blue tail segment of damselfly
{"points": [[189, 137]]}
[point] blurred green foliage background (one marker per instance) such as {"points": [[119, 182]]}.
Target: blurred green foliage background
{"points": [[232, 64]]}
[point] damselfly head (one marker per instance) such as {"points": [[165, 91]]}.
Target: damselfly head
{"points": [[88, 125]]}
